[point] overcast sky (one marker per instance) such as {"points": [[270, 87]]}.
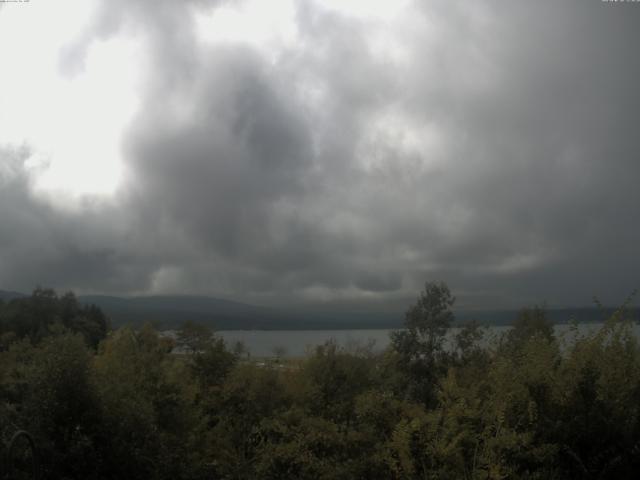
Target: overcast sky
{"points": [[322, 151]]}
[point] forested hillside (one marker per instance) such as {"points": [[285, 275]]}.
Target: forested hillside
{"points": [[119, 404]]}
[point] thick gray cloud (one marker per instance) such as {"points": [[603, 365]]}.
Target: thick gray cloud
{"points": [[493, 145]]}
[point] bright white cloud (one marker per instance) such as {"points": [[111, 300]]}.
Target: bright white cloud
{"points": [[366, 9], [267, 26], [73, 126], [393, 139]]}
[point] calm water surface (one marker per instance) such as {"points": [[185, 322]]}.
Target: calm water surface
{"points": [[295, 343]]}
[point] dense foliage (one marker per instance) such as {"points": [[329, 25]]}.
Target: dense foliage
{"points": [[138, 405]]}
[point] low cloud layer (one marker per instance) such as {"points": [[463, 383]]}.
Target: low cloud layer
{"points": [[492, 145]]}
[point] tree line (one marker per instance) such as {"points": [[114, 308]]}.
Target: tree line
{"points": [[115, 404]]}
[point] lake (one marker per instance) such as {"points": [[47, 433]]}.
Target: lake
{"points": [[296, 343]]}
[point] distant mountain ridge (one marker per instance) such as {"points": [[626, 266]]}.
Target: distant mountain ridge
{"points": [[9, 295], [169, 311]]}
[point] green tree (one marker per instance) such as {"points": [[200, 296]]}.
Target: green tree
{"points": [[148, 416], [44, 312], [431, 316], [418, 349], [194, 337], [60, 407], [531, 322], [248, 396], [212, 363], [332, 379], [467, 343]]}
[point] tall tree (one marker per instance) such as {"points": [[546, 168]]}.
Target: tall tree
{"points": [[419, 348]]}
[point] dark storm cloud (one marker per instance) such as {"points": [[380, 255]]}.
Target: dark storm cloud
{"points": [[43, 245], [299, 177], [554, 136], [220, 170]]}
